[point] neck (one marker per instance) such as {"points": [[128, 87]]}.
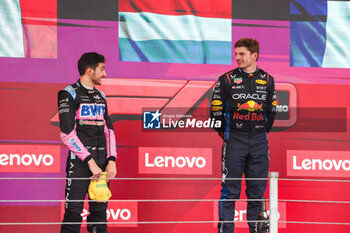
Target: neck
{"points": [[86, 81], [250, 69]]}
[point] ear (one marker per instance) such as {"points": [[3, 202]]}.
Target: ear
{"points": [[89, 71], [255, 55]]}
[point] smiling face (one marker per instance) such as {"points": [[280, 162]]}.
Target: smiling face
{"points": [[245, 59]]}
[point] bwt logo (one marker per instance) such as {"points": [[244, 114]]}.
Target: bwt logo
{"points": [[318, 163], [92, 110], [162, 160], [29, 158], [75, 144], [151, 120], [124, 213]]}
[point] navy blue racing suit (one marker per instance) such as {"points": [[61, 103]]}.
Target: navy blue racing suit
{"points": [[246, 106]]}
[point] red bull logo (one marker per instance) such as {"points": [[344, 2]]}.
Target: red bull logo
{"points": [[250, 106], [248, 117]]}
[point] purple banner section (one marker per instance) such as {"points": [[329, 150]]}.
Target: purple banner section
{"points": [[36, 189], [78, 36]]}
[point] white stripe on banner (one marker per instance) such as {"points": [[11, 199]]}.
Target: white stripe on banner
{"points": [[337, 52], [11, 30], [150, 26]]}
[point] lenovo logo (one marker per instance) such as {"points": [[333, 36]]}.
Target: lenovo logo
{"points": [[29, 158], [318, 163], [119, 214], [241, 214], [162, 160]]}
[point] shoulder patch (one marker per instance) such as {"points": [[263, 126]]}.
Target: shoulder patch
{"points": [[71, 91], [103, 95]]}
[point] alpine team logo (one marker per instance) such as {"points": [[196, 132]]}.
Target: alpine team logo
{"points": [[151, 120]]}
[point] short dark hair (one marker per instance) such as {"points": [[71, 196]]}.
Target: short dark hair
{"points": [[251, 44], [89, 60]]}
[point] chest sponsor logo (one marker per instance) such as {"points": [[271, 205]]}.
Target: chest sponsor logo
{"points": [[250, 106], [124, 213], [262, 88], [248, 117], [238, 87], [92, 110], [161, 160], [89, 122], [30, 158], [232, 76], [216, 96], [216, 102], [259, 81], [237, 80], [244, 96], [216, 114], [64, 100], [318, 163], [216, 108]]}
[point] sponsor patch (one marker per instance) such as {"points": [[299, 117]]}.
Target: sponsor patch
{"points": [[216, 108], [87, 122], [216, 114], [237, 80], [216, 102], [259, 81], [216, 96], [263, 88]]}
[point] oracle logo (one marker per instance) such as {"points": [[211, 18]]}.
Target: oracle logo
{"points": [[119, 214], [241, 214], [162, 160], [318, 163], [30, 158]]}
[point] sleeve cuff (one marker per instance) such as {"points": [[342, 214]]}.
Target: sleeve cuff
{"points": [[111, 158], [86, 160]]}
